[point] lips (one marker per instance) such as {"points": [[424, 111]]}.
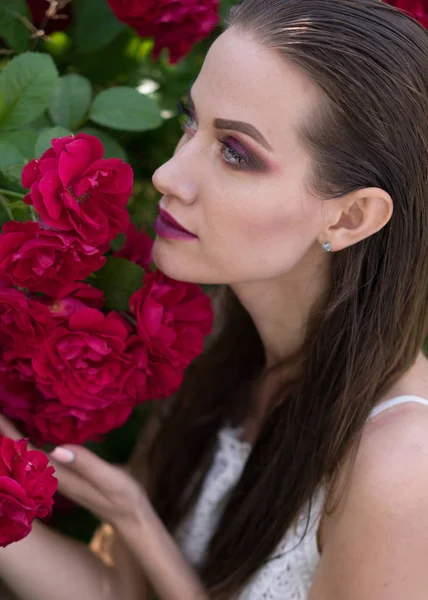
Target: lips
{"points": [[169, 219]]}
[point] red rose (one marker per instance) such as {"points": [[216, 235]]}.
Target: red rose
{"points": [[154, 377], [137, 384], [137, 247], [27, 485], [58, 424], [172, 319], [176, 25], [24, 324], [74, 189], [43, 260], [50, 421], [418, 9], [18, 392], [83, 362], [65, 307], [84, 292]]}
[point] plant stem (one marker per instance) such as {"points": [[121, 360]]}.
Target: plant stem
{"points": [[11, 194], [6, 207], [128, 317], [33, 214], [17, 204]]}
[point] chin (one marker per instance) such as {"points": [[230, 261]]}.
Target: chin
{"points": [[171, 263], [178, 266]]}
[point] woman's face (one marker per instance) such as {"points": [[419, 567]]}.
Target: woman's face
{"points": [[241, 194]]}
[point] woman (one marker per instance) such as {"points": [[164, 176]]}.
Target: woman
{"points": [[293, 462]]}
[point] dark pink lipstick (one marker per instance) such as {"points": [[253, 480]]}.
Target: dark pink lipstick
{"points": [[167, 227]]}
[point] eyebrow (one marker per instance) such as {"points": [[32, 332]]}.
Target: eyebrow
{"points": [[236, 126]]}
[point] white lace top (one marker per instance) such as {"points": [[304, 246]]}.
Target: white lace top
{"points": [[288, 575]]}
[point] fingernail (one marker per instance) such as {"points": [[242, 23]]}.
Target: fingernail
{"points": [[62, 455]]}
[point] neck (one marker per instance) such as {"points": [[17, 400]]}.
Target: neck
{"points": [[280, 307]]}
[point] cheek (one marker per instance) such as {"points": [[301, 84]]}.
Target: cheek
{"points": [[263, 235], [268, 215]]}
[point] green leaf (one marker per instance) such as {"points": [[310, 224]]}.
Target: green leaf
{"points": [[12, 28], [125, 108], [14, 173], [71, 101], [24, 140], [44, 140], [12, 161], [42, 122], [118, 279], [4, 215], [225, 6], [95, 25], [27, 84], [118, 242], [112, 148], [22, 212]]}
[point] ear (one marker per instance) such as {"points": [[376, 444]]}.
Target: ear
{"points": [[356, 216]]}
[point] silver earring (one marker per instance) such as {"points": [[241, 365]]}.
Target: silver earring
{"points": [[326, 247]]}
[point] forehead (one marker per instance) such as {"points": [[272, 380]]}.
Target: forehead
{"points": [[243, 80]]}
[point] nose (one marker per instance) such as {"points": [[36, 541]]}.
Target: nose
{"points": [[177, 177]]}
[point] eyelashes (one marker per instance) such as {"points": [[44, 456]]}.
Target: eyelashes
{"points": [[242, 161], [183, 110]]}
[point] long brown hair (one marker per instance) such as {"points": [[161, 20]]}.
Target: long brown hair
{"points": [[371, 61]]}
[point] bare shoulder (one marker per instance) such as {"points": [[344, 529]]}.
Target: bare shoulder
{"points": [[376, 542], [390, 471], [394, 444], [393, 452]]}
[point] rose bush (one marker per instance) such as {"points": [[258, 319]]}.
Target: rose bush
{"points": [[173, 25], [27, 485], [82, 240], [72, 369]]}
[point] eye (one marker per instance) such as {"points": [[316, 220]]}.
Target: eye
{"points": [[237, 158], [183, 110], [230, 154]]}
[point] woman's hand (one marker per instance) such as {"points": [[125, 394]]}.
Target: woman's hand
{"points": [[106, 490]]}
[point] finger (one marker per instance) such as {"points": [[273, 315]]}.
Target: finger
{"points": [[71, 484], [85, 479], [82, 461]]}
